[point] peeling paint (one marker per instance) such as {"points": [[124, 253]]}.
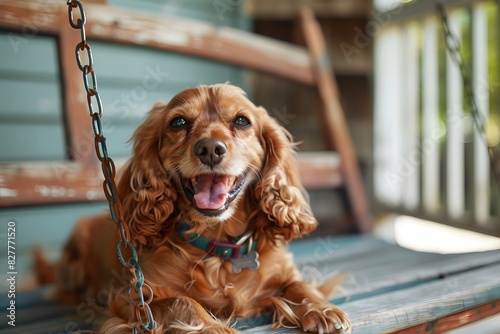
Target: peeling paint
{"points": [[37, 20], [94, 194], [168, 38], [35, 5], [6, 192], [126, 20], [54, 191]]}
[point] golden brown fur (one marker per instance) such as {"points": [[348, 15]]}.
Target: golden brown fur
{"points": [[193, 291]]}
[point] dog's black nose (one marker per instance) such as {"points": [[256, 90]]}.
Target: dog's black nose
{"points": [[210, 151]]}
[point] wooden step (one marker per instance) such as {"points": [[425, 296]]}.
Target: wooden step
{"points": [[320, 170]]}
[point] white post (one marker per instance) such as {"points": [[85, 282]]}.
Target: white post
{"points": [[410, 120], [390, 170], [455, 180], [481, 91], [430, 115]]}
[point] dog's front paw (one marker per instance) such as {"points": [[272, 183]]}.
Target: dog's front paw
{"points": [[324, 318]]}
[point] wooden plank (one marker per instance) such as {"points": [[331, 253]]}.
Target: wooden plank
{"points": [[222, 44], [372, 266], [37, 312], [40, 102], [403, 270], [334, 119], [29, 142], [420, 287], [428, 302], [37, 111], [319, 170], [60, 181], [49, 182], [75, 102], [18, 50], [49, 324], [393, 311], [445, 324]]}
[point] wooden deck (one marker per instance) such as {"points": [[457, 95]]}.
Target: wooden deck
{"points": [[386, 289]]}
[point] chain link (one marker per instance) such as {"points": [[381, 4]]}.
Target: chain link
{"points": [[145, 322], [453, 45]]}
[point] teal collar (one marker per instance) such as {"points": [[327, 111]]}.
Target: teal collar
{"points": [[224, 250]]}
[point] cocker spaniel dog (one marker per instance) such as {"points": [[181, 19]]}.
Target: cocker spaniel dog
{"points": [[211, 197]]}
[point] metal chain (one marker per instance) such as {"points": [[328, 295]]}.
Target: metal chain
{"points": [[138, 288], [453, 45]]}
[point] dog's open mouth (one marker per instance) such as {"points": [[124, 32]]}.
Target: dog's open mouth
{"points": [[212, 193]]}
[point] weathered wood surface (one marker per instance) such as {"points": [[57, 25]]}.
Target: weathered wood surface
{"points": [[320, 169], [49, 182], [386, 288], [186, 36], [335, 124], [65, 182]]}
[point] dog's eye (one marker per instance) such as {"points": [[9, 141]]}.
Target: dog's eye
{"points": [[241, 122], [178, 123]]}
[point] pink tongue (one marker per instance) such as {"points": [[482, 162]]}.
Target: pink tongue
{"points": [[211, 191]]}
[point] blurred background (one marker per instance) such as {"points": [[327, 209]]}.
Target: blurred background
{"points": [[417, 140]]}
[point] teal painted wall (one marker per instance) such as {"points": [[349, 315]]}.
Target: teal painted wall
{"points": [[31, 117], [132, 79], [44, 226]]}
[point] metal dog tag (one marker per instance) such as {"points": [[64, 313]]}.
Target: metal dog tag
{"points": [[250, 260]]}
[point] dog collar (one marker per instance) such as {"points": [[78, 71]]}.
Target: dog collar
{"points": [[224, 250]]}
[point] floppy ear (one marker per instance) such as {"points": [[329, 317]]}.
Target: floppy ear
{"points": [[146, 193], [285, 211]]}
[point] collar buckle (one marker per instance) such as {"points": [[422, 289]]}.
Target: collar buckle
{"points": [[224, 250]]}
